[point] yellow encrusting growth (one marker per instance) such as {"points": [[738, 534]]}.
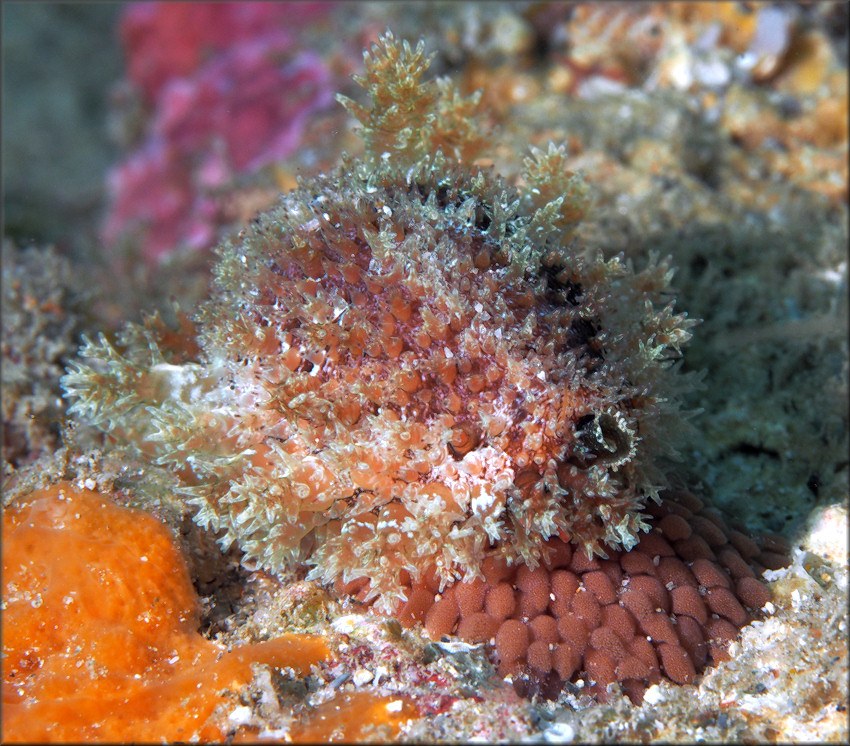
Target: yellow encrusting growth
{"points": [[405, 368]]}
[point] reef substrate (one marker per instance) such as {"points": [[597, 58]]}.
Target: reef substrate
{"points": [[679, 144]]}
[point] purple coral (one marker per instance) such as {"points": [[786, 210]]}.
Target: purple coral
{"points": [[235, 113]]}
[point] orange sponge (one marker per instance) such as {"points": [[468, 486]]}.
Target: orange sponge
{"points": [[100, 636], [355, 717]]}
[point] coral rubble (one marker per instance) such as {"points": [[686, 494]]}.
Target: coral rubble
{"points": [[42, 314], [405, 368]]}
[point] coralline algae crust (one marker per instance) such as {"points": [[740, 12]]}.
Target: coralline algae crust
{"points": [[406, 367]]}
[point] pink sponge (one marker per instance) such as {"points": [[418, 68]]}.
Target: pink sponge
{"points": [[229, 92]]}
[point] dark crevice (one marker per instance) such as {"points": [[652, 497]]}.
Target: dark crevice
{"points": [[749, 449]]}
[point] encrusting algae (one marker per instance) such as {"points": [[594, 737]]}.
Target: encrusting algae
{"points": [[409, 379]]}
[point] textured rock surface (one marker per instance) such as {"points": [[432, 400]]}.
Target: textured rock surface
{"points": [[43, 311], [695, 140]]}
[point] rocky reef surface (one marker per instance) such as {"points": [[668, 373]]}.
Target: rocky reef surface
{"points": [[713, 133]]}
